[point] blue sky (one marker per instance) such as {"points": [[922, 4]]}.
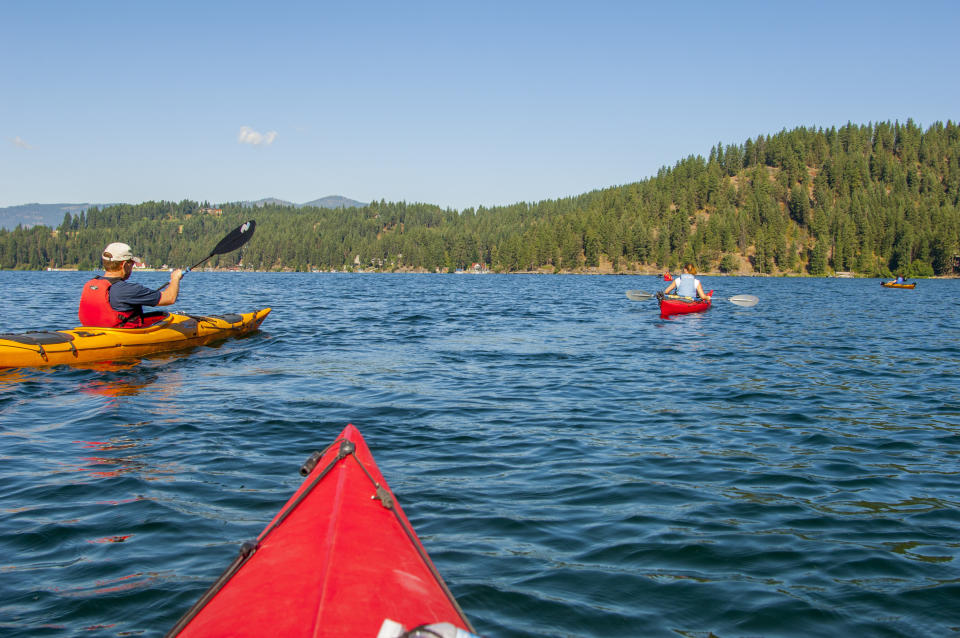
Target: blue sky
{"points": [[459, 104]]}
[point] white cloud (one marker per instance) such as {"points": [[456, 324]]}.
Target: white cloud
{"points": [[20, 143], [249, 136]]}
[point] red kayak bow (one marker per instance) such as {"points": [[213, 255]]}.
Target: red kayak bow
{"points": [[339, 559]]}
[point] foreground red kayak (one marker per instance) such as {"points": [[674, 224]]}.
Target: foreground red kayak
{"points": [[339, 559], [673, 305]]}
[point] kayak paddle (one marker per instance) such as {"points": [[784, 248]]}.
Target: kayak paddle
{"points": [[230, 243], [747, 301], [237, 238]]}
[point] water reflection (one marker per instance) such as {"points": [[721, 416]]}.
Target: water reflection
{"points": [[119, 456], [11, 376], [134, 581], [12, 380], [116, 388], [109, 366], [117, 381]]}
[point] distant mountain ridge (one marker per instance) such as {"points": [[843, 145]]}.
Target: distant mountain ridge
{"points": [[29, 215], [335, 201], [330, 201], [52, 215]]}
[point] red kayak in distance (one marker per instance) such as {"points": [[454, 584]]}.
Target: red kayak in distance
{"points": [[339, 559], [672, 305]]}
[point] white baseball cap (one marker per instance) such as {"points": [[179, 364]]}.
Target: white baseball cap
{"points": [[118, 251]]}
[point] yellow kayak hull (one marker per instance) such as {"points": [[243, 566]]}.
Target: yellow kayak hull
{"points": [[86, 344], [890, 284]]}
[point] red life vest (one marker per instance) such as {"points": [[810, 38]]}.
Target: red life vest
{"points": [[95, 308]]}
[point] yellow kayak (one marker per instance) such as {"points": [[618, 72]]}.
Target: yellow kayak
{"points": [[86, 344], [893, 284]]}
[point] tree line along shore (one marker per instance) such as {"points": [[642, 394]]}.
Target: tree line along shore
{"points": [[871, 200]]}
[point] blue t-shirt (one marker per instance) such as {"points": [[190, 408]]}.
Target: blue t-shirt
{"points": [[126, 296], [687, 285]]}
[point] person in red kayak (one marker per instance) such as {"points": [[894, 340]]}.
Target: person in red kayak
{"points": [[687, 285], [111, 301], [667, 277]]}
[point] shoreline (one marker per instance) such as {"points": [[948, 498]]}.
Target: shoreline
{"points": [[588, 272]]}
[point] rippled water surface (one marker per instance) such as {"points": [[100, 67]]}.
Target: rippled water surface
{"points": [[575, 465]]}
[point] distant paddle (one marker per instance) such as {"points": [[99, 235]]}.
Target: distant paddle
{"points": [[747, 301]]}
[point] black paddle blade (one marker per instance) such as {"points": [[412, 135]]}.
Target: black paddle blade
{"points": [[235, 239]]}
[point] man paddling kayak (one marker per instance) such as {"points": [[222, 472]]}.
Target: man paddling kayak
{"points": [[110, 301], [687, 285]]}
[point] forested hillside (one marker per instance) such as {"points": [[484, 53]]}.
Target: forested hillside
{"points": [[872, 199]]}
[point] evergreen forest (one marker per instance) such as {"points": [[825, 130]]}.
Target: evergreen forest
{"points": [[871, 199]]}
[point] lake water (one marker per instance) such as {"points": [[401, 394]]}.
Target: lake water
{"points": [[575, 465]]}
